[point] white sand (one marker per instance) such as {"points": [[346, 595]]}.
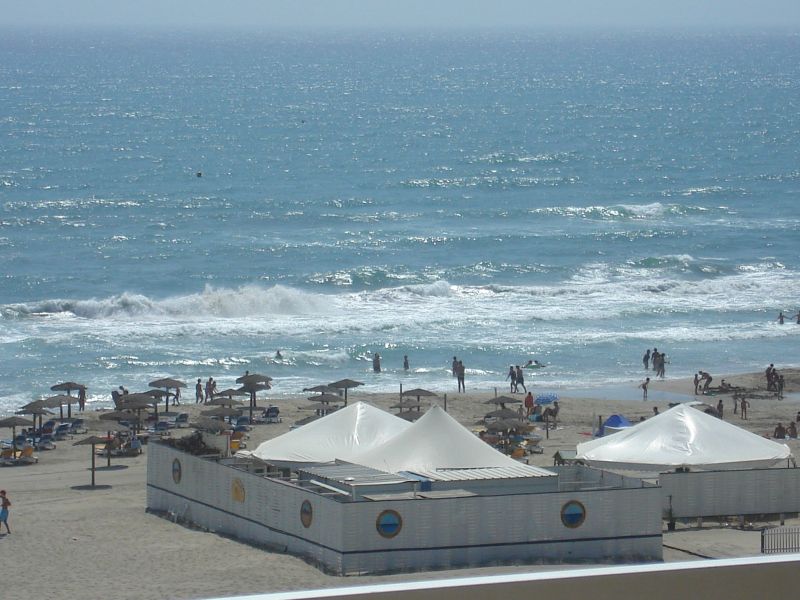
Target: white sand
{"points": [[70, 543]]}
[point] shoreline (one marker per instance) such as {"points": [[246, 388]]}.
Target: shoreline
{"points": [[78, 532]]}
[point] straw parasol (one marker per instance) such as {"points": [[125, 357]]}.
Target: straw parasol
{"points": [[58, 402], [419, 393], [210, 425], [15, 422], [252, 383], [326, 398], [35, 408], [322, 389], [345, 384], [167, 383], [230, 393], [222, 411], [68, 386], [92, 441], [501, 401], [502, 413], [224, 401]]}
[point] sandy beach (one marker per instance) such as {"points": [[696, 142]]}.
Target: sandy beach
{"points": [[68, 541]]}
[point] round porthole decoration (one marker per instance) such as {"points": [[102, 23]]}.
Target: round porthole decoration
{"points": [[573, 514], [306, 514], [176, 471], [237, 490], [389, 523]]}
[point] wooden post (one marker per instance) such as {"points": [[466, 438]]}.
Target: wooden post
{"points": [[445, 403], [401, 391]]}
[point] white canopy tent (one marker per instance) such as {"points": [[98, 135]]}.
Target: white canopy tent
{"points": [[434, 442], [682, 437], [353, 430]]}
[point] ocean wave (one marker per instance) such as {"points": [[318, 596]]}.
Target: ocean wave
{"points": [[620, 212], [244, 301]]}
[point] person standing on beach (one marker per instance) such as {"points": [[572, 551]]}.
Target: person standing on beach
{"points": [[743, 408], [644, 385], [521, 379], [720, 408], [460, 371], [646, 360], [210, 385], [198, 392], [696, 382], [455, 367], [82, 398], [5, 504], [512, 375], [528, 405], [376, 363]]}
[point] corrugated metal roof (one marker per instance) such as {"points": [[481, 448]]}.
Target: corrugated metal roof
{"points": [[352, 474], [487, 473]]}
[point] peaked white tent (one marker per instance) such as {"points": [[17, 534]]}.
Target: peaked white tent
{"points": [[437, 441], [682, 437], [357, 428]]}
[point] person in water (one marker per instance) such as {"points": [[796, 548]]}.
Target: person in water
{"points": [[278, 355], [405, 362], [376, 363]]}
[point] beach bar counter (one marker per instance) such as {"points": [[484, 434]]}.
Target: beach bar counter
{"points": [[348, 517]]}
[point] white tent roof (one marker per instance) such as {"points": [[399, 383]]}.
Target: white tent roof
{"points": [[437, 441], [352, 430], [682, 437]]}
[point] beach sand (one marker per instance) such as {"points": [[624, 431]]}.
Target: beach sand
{"points": [[68, 541]]}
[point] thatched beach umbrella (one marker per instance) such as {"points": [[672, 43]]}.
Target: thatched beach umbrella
{"points": [[36, 408], [419, 393], [68, 386], [210, 425], [326, 398], [167, 383], [15, 422], [502, 413], [58, 402], [501, 401], [225, 401], [252, 384], [345, 384], [322, 389], [92, 441], [230, 393]]}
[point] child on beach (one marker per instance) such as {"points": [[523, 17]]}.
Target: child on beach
{"points": [[5, 504]]}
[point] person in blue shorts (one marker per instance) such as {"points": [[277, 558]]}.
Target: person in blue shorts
{"points": [[5, 504]]}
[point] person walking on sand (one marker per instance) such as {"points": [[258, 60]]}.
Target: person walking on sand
{"points": [[646, 360], [644, 385], [198, 392], [521, 380], [743, 408], [512, 375], [528, 404], [460, 371], [5, 504]]}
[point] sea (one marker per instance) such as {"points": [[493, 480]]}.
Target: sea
{"points": [[188, 204]]}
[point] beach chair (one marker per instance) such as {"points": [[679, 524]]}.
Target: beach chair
{"points": [[45, 442], [182, 420], [77, 427], [62, 431]]}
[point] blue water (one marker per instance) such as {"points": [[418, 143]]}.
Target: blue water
{"points": [[496, 197]]}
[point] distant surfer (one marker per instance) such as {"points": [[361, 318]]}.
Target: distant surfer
{"points": [[278, 355]]}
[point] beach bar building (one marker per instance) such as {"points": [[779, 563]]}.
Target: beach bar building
{"points": [[361, 491]]}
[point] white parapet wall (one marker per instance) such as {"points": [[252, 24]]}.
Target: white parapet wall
{"points": [[730, 493], [377, 536]]}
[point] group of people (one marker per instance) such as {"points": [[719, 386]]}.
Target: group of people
{"points": [[782, 317], [202, 394], [702, 381], [517, 378], [782, 432], [775, 381], [656, 359]]}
